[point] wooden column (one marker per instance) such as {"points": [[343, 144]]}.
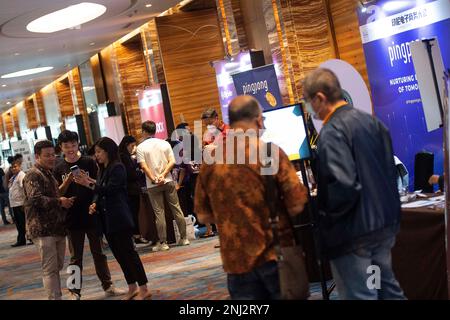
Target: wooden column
{"points": [[39, 104], [189, 42], [133, 77], [347, 35], [65, 98], [31, 113], [76, 84]]}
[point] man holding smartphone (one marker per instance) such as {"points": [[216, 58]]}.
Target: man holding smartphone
{"points": [[79, 222]]}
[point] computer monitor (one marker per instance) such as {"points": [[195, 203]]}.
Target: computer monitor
{"points": [[286, 128]]}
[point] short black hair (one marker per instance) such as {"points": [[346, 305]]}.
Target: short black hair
{"points": [[43, 144], [18, 156], [10, 159], [67, 136], [149, 127], [209, 113], [182, 125]]}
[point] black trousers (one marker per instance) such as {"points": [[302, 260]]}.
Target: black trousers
{"points": [[122, 247], [134, 202], [76, 247], [19, 217], [4, 202]]}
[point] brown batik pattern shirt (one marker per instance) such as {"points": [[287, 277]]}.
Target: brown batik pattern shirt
{"points": [[44, 215], [233, 197]]}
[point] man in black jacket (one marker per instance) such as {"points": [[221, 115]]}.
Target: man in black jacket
{"points": [[358, 198]]}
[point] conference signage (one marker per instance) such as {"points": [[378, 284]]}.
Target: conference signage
{"points": [[152, 108], [224, 68], [387, 30], [260, 83]]}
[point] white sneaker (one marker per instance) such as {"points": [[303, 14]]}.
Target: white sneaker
{"points": [[113, 291], [161, 247], [184, 242]]}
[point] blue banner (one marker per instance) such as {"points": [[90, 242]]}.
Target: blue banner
{"points": [[387, 29], [260, 83]]}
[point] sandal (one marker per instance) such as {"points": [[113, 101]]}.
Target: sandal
{"points": [[148, 296], [131, 296], [207, 235]]}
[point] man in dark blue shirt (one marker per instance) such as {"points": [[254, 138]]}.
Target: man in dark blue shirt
{"points": [[358, 199]]}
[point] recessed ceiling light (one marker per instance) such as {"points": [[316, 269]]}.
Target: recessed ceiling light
{"points": [[148, 5], [3, 85], [25, 72], [66, 18], [8, 102], [17, 54], [92, 43], [40, 50]]}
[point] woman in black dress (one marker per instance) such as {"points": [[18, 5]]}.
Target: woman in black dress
{"points": [[127, 153], [110, 203]]}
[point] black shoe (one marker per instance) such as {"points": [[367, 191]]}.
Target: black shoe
{"points": [[6, 222], [19, 244]]}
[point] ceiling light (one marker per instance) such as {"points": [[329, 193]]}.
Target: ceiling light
{"points": [[92, 43], [25, 72], [148, 5], [3, 85], [17, 54], [66, 18], [8, 102]]}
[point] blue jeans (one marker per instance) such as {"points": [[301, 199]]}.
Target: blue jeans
{"points": [[262, 283], [356, 280]]}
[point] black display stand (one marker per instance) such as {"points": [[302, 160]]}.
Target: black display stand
{"points": [[312, 225]]}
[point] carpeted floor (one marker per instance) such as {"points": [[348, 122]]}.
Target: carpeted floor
{"points": [[193, 272]]}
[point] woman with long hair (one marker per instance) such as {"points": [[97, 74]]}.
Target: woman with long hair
{"points": [[127, 153], [111, 205]]}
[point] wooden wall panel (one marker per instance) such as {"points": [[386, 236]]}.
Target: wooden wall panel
{"points": [[189, 42], [65, 98], [133, 76], [81, 104], [31, 114], [348, 38], [2, 127], [8, 123], [15, 116], [41, 110], [309, 42]]}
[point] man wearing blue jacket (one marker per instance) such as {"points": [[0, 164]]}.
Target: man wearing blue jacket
{"points": [[359, 203]]}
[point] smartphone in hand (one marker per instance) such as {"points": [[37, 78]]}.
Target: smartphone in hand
{"points": [[75, 170]]}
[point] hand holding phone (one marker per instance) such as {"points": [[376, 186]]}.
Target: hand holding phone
{"points": [[75, 170]]}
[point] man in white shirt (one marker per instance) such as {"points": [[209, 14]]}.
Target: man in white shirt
{"points": [[16, 201], [157, 159]]}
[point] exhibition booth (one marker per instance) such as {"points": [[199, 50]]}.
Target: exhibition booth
{"points": [[399, 73]]}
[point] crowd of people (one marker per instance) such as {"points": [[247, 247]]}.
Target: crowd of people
{"points": [[82, 196]]}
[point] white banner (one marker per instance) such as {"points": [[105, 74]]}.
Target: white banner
{"points": [[407, 20]]}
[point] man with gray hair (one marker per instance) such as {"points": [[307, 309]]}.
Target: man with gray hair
{"points": [[232, 195], [358, 198]]}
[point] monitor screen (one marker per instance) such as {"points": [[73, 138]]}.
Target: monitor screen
{"points": [[286, 128]]}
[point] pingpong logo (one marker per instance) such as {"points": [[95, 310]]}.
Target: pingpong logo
{"points": [[374, 280]]}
